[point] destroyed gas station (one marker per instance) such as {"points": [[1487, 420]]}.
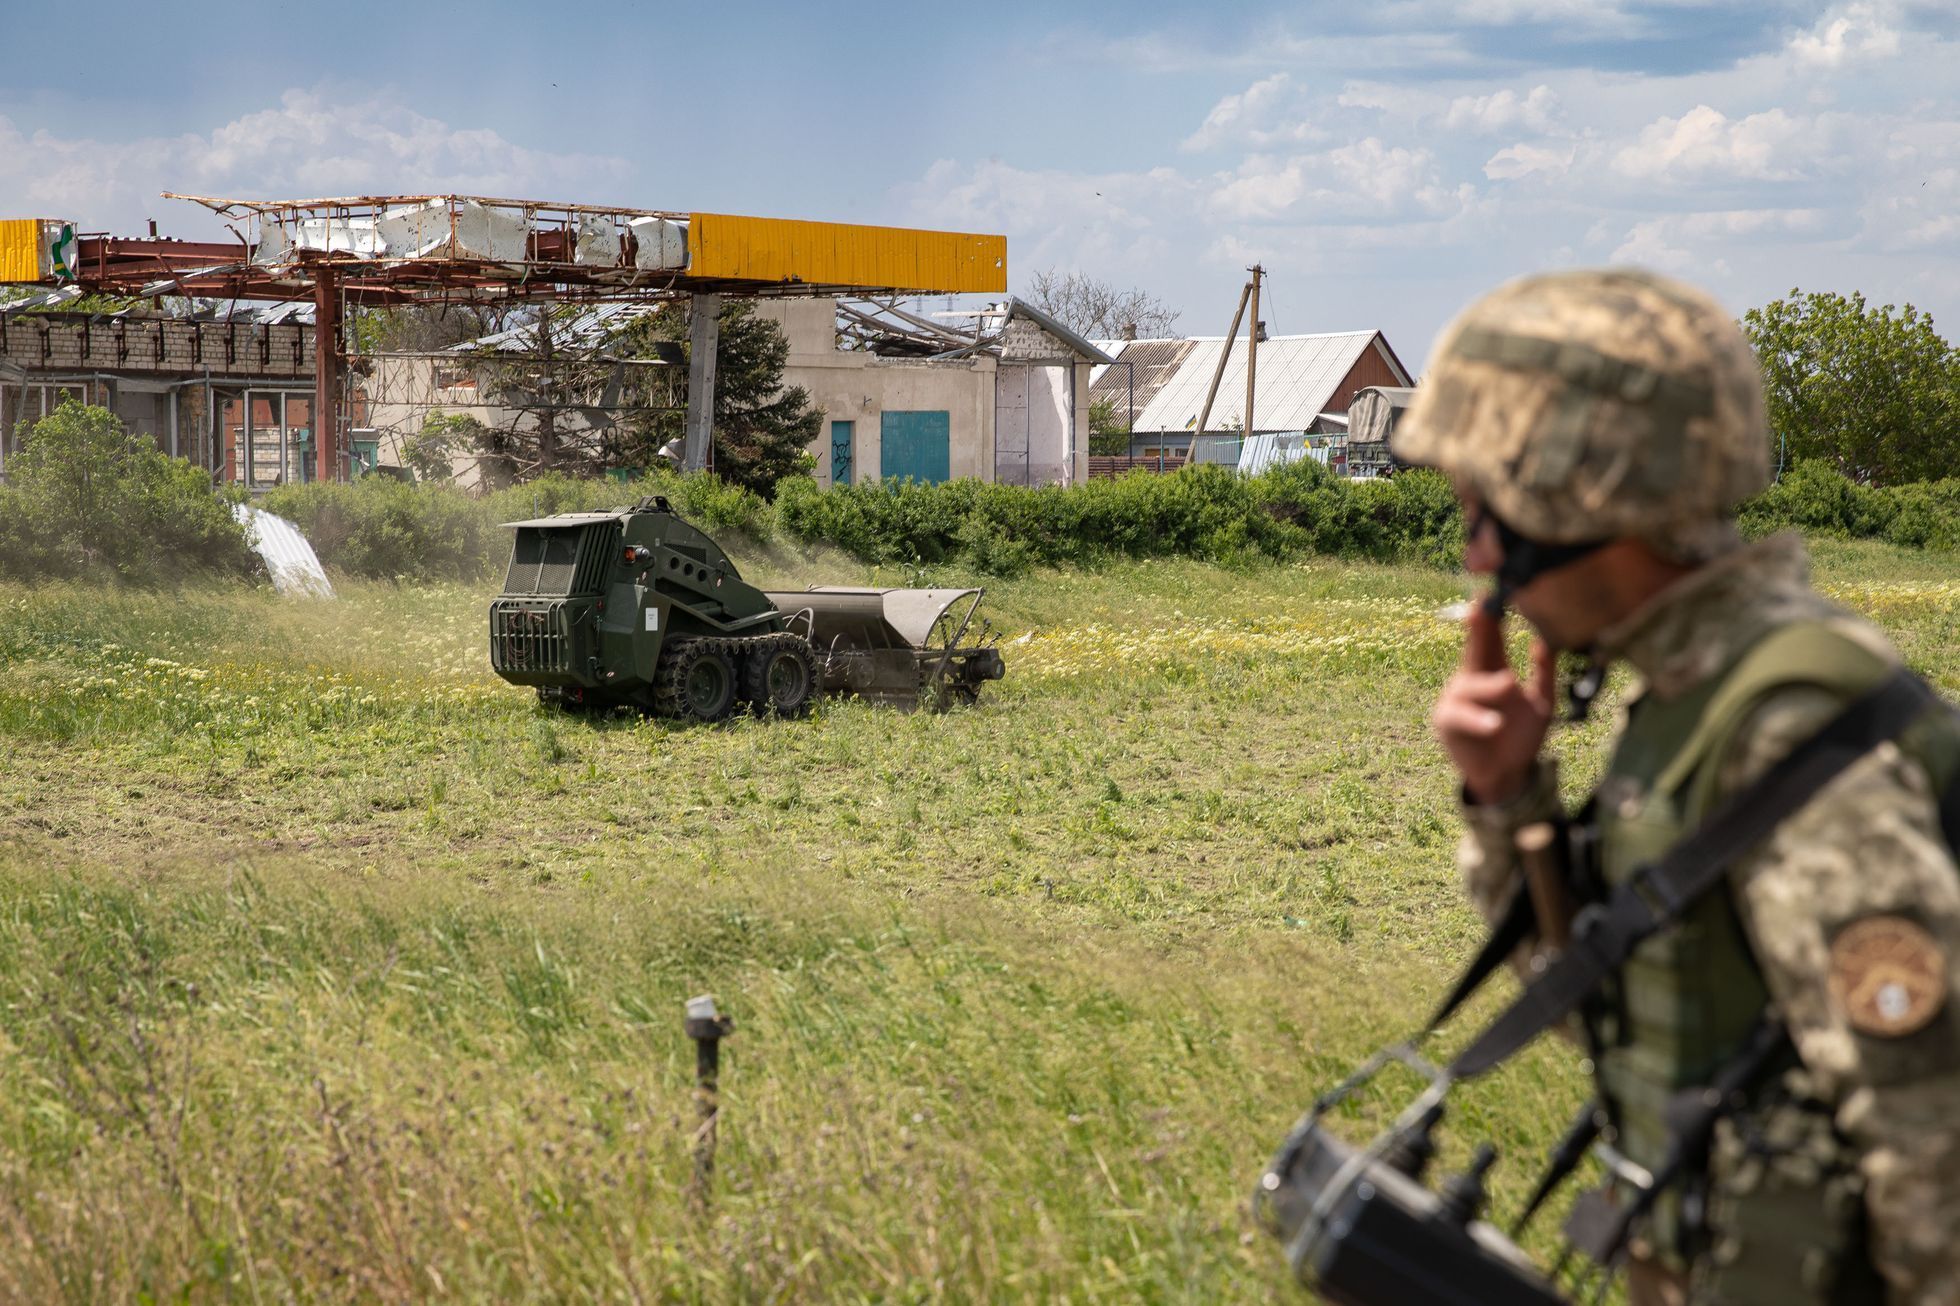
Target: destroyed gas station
{"points": [[176, 376]]}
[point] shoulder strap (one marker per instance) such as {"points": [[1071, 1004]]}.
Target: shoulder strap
{"points": [[1658, 894], [1808, 652], [1950, 815]]}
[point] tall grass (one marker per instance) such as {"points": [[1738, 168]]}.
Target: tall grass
{"points": [[332, 968]]}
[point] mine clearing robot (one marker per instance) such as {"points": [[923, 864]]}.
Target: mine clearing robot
{"points": [[636, 608]]}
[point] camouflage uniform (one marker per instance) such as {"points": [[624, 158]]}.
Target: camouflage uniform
{"points": [[1593, 405], [1869, 845]]}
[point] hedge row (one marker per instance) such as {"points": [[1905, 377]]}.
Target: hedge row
{"points": [[384, 528], [388, 529], [88, 498]]}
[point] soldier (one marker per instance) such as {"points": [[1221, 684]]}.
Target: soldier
{"points": [[1600, 428]]}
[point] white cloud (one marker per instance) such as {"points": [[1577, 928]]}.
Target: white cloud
{"points": [[1265, 114], [1522, 160], [1914, 208], [1504, 111], [1590, 16], [306, 146], [1371, 95], [1855, 31], [1051, 216], [1683, 242], [1364, 179], [1703, 141], [1653, 244]]}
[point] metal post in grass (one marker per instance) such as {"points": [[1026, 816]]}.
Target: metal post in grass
{"points": [[707, 1027]]}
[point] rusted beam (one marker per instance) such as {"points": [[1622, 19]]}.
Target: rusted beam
{"points": [[326, 377]]}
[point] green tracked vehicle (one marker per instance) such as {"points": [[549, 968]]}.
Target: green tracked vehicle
{"points": [[635, 607]]}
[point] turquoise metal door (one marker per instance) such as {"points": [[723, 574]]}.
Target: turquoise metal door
{"points": [[841, 436], [915, 444]]}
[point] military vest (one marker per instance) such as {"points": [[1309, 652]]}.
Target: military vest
{"points": [[1688, 998]]}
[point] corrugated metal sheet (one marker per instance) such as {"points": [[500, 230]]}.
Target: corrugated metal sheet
{"points": [[591, 329], [1155, 362], [1268, 449], [294, 566], [20, 250], [1297, 379], [835, 253]]}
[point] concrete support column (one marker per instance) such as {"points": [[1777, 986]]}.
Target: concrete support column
{"points": [[703, 335], [326, 378]]}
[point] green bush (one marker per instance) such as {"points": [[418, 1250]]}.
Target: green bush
{"points": [[384, 528], [1203, 511], [87, 497], [1816, 498]]}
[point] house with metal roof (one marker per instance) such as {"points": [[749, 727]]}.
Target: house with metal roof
{"points": [[1305, 384]]}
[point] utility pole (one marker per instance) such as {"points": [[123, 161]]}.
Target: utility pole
{"points": [[1252, 348], [1223, 356]]}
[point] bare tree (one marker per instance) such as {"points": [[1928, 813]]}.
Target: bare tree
{"points": [[423, 328], [1097, 309], [581, 391]]}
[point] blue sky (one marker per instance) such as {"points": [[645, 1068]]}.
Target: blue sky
{"points": [[1385, 162]]}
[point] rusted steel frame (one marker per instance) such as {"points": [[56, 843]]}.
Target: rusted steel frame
{"points": [[241, 207], [326, 406], [165, 251]]}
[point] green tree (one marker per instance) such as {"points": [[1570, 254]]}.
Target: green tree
{"points": [[429, 452], [1108, 434], [88, 497], [1875, 392], [761, 428]]}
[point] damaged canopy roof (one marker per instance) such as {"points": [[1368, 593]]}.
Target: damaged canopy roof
{"points": [[380, 248], [883, 327]]}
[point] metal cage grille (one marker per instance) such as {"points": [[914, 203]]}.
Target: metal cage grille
{"points": [[560, 562], [530, 638]]}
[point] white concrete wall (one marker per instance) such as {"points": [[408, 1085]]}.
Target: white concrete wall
{"points": [[402, 394], [1041, 428], [857, 387], [1082, 373]]}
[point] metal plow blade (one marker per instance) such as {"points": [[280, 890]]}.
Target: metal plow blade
{"points": [[901, 647]]}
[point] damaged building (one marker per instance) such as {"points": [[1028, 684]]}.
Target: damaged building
{"points": [[997, 394], [232, 395], [1003, 399]]}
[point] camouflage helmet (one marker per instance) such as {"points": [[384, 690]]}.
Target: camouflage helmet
{"points": [[1587, 405]]}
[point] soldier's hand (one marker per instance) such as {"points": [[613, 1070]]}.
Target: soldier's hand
{"points": [[1491, 723]]}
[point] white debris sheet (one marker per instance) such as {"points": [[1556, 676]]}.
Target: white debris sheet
{"points": [[295, 569]]}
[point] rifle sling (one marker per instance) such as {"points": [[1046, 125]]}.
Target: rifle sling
{"points": [[1512, 929], [1658, 894]]}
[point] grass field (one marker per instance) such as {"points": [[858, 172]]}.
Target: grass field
{"points": [[331, 967]]}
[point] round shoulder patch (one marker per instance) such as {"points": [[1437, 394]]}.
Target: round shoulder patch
{"points": [[1888, 975]]}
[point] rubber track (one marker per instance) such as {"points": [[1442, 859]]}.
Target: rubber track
{"points": [[751, 679], [737, 649]]}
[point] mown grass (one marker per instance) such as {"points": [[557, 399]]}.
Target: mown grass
{"points": [[331, 967]]}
